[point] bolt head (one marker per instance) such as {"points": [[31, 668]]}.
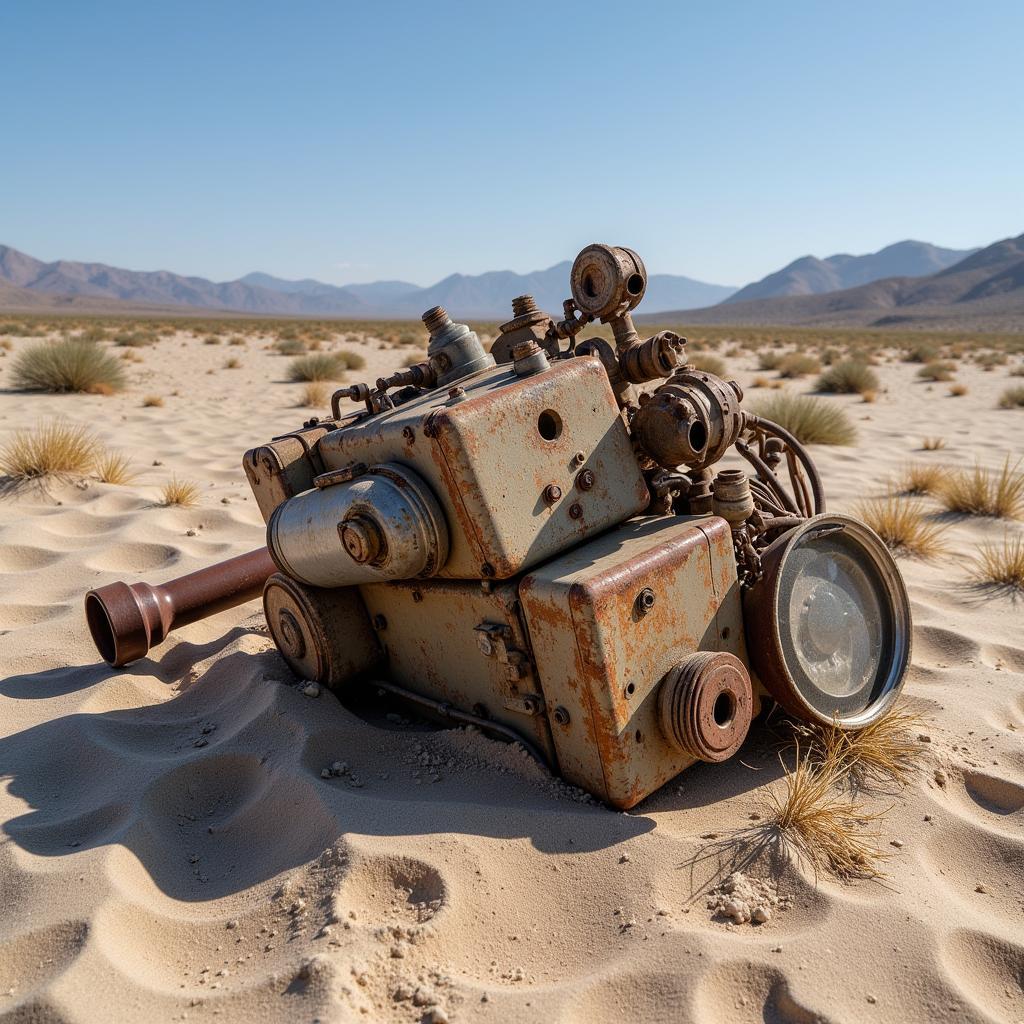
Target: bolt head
{"points": [[586, 480], [552, 493], [645, 601], [360, 539], [575, 510]]}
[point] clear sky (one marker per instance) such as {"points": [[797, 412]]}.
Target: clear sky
{"points": [[360, 141]]}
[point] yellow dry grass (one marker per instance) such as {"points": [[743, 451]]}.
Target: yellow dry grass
{"points": [[983, 492], [183, 493], [315, 395], [920, 478], [52, 448], [902, 525], [113, 468], [1001, 564]]}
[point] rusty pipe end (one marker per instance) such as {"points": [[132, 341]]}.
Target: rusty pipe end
{"points": [[118, 623]]}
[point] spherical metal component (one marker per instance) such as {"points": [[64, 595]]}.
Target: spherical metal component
{"points": [[828, 624], [607, 281], [705, 705]]}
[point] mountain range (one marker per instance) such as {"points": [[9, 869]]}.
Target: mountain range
{"points": [[984, 291]]}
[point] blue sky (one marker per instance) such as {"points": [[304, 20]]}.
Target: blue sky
{"points": [[359, 141]]}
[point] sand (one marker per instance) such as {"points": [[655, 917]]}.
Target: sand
{"points": [[171, 849]]}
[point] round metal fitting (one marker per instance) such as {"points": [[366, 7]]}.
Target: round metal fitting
{"points": [[705, 705], [644, 601], [561, 715], [607, 280], [362, 539], [290, 634], [379, 622], [575, 510], [585, 480], [552, 493], [732, 499]]}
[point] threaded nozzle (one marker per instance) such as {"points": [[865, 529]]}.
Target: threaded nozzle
{"points": [[436, 318], [523, 304]]}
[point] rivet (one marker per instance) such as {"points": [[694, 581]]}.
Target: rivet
{"points": [[552, 493]]}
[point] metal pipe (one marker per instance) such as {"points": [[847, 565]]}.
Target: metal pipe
{"points": [[126, 620]]}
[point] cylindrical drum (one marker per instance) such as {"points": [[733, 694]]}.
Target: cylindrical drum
{"points": [[384, 524]]}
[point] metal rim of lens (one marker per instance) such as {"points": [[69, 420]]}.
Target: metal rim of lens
{"points": [[762, 608]]}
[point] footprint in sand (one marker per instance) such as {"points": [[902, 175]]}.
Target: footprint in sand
{"points": [[30, 963], [989, 971], [24, 557]]}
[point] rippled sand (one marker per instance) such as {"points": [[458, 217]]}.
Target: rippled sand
{"points": [[170, 851]]}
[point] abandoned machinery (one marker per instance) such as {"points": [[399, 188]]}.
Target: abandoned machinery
{"points": [[523, 540]]}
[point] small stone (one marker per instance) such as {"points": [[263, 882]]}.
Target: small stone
{"points": [[311, 690], [325, 773], [190, 533], [624, 859], [761, 915], [201, 742], [231, 925], [872, 999], [423, 997], [923, 737], [222, 973], [435, 1016], [402, 993], [981, 888], [927, 817], [397, 953], [898, 843]]}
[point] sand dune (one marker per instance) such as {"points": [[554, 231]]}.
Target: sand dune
{"points": [[171, 851]]}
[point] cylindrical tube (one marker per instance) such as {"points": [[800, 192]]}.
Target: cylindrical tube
{"points": [[126, 620], [383, 524]]}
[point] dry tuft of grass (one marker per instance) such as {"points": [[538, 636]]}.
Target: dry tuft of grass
{"points": [[798, 364], [809, 420], [936, 371], [68, 365], [1012, 398], [707, 362], [983, 492], [319, 366], [825, 827], [152, 402], [920, 478], [760, 382], [315, 395], [183, 493], [233, 364], [352, 360], [113, 468], [933, 444], [290, 346], [849, 377], [902, 525], [52, 448], [1001, 565], [957, 390]]}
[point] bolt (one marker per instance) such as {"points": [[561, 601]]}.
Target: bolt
{"points": [[436, 318], [523, 304], [379, 622], [483, 641], [575, 510], [456, 392], [561, 715], [585, 480], [552, 493], [291, 635], [409, 434], [361, 538], [644, 601], [531, 705], [525, 349]]}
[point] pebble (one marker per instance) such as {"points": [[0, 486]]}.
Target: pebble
{"points": [[898, 843], [435, 1016], [980, 888], [924, 738], [872, 999], [311, 690], [624, 859], [232, 924], [761, 915], [423, 997]]}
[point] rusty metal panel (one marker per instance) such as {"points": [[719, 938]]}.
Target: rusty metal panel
{"points": [[284, 467], [452, 641], [522, 467], [602, 646]]}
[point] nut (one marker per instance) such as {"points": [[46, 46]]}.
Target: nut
{"points": [[552, 493], [585, 480]]}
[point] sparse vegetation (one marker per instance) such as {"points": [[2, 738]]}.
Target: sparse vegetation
{"points": [[113, 468], [290, 346], [315, 395], [902, 525], [936, 371], [183, 493], [921, 478], [152, 402], [1012, 398], [983, 492], [352, 360], [958, 390], [318, 366], [708, 362], [770, 360], [68, 365], [933, 444], [798, 364], [809, 420], [52, 448], [233, 364], [1001, 565], [848, 377]]}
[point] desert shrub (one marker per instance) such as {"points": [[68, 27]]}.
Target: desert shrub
{"points": [[760, 382], [921, 478], [848, 377], [957, 390], [237, 341], [936, 371], [315, 395], [1012, 398], [211, 340], [798, 364], [67, 365], [319, 366], [233, 364], [990, 360], [134, 339], [352, 360], [113, 468], [413, 358], [52, 448], [152, 402], [983, 492], [769, 360], [93, 333], [933, 444], [290, 346], [902, 526], [1001, 565], [809, 420], [921, 352], [708, 363], [183, 493]]}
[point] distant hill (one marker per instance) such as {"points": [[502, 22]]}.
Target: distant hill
{"points": [[481, 296], [812, 276], [985, 291]]}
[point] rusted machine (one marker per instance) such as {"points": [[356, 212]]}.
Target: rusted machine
{"points": [[528, 540]]}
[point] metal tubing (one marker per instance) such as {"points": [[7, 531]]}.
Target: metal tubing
{"points": [[126, 620]]}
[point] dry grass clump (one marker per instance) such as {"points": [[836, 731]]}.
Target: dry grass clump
{"points": [[958, 390], [920, 353], [68, 365], [290, 346], [902, 525], [183, 493], [849, 377], [134, 339], [809, 420], [52, 448], [983, 492], [1012, 398], [798, 364], [708, 362], [1001, 565], [237, 341], [352, 360], [152, 402], [760, 382], [770, 360], [315, 395], [921, 478], [933, 444], [233, 364], [825, 827], [211, 340], [113, 468], [318, 366], [936, 371]]}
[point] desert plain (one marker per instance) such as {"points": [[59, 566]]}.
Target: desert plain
{"points": [[170, 848]]}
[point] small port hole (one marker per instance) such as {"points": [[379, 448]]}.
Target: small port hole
{"points": [[697, 436], [549, 425], [634, 284], [724, 709]]}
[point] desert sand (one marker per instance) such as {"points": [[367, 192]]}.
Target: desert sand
{"points": [[170, 850]]}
